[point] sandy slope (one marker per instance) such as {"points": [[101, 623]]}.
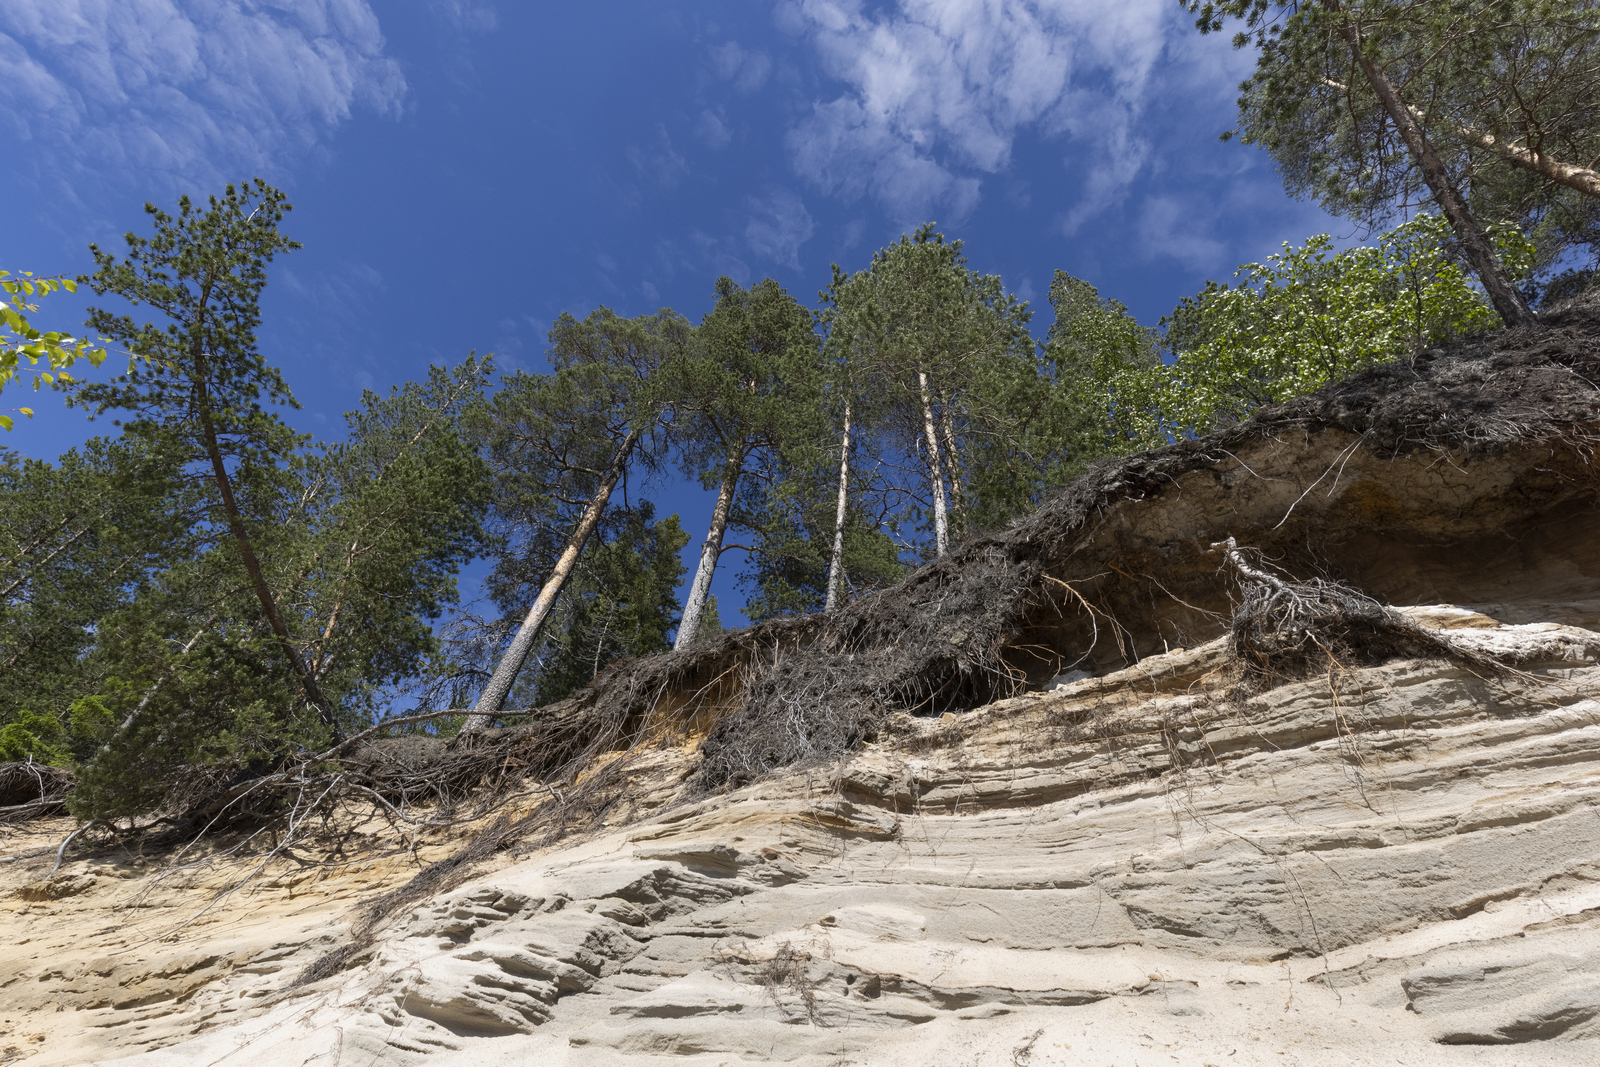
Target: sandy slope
{"points": [[1125, 871]]}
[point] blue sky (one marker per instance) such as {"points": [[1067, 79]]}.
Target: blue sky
{"points": [[465, 170]]}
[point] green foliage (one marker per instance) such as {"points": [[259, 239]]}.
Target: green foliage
{"points": [[918, 317], [1100, 362], [78, 539], [794, 528], [747, 382], [549, 438], [197, 596], [1311, 315], [20, 339], [363, 539], [550, 441], [32, 737], [203, 273], [170, 600], [747, 388]]}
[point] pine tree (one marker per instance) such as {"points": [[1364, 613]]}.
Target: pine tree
{"points": [[951, 349], [621, 602], [78, 539], [746, 386], [559, 445], [362, 538], [1364, 101], [202, 385]]}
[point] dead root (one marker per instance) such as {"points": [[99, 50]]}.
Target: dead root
{"points": [[1285, 629], [30, 790]]}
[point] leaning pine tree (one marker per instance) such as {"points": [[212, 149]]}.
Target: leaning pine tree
{"points": [[747, 385], [559, 446], [1357, 99]]}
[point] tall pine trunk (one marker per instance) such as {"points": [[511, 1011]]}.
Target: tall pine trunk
{"points": [[247, 554], [836, 564], [1474, 242], [710, 550], [958, 497], [941, 521], [494, 694]]}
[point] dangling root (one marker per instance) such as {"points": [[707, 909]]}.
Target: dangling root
{"points": [[1285, 629]]}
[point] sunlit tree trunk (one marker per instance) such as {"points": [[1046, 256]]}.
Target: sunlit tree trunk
{"points": [[710, 550], [836, 564], [494, 694], [1584, 179], [941, 527], [958, 497]]}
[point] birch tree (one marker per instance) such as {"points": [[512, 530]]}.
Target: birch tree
{"points": [[21, 339], [1311, 315], [853, 396]]}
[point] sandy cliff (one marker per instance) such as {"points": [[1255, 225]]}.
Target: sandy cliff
{"points": [[1387, 855]]}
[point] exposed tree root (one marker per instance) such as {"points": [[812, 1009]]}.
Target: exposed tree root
{"points": [[31, 790], [1284, 630]]}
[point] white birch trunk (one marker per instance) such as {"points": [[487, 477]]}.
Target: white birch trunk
{"points": [[836, 564], [958, 499]]}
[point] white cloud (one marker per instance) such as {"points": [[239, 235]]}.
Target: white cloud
{"points": [[660, 163], [1118, 154], [938, 90], [846, 150], [712, 129], [779, 225], [344, 292], [1179, 227], [717, 254], [194, 92], [472, 16], [747, 69]]}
